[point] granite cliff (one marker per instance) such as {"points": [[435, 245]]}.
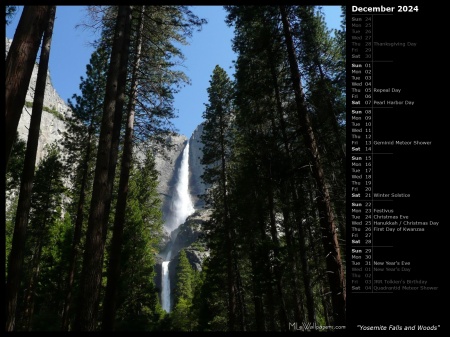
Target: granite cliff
{"points": [[53, 115]]}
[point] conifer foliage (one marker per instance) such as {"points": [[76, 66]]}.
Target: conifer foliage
{"points": [[83, 233]]}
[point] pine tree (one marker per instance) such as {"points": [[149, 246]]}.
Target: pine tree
{"points": [[137, 304], [216, 153], [80, 141], [119, 218], [46, 203], [185, 286], [15, 165], [330, 240], [99, 211]]}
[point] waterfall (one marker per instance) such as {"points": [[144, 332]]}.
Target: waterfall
{"points": [[165, 295], [180, 209], [181, 206]]}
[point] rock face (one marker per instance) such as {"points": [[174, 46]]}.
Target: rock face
{"points": [[188, 236], [196, 185], [52, 124], [190, 232]]}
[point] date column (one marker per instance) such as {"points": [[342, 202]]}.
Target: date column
{"points": [[360, 124]]}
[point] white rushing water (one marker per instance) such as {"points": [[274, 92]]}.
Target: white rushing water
{"points": [[181, 206], [165, 295], [180, 209]]}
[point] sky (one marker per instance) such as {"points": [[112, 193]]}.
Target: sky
{"points": [[71, 51]]}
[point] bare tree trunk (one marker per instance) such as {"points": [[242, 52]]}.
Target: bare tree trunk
{"points": [[91, 275], [110, 302], [329, 236], [19, 66], [26, 183], [30, 293]]}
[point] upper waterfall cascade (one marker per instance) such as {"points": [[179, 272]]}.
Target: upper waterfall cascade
{"points": [[181, 206]]}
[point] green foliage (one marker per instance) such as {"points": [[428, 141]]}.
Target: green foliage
{"points": [[48, 188], [80, 139], [184, 279], [262, 187], [187, 283], [54, 264], [48, 241], [198, 246], [210, 299], [216, 128], [87, 107], [51, 110], [12, 184], [139, 307], [15, 164]]}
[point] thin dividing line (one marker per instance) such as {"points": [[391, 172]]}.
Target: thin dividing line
{"points": [[371, 13], [372, 292], [369, 60], [356, 199], [374, 246], [373, 152]]}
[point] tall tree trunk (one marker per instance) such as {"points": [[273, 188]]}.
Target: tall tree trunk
{"points": [[306, 273], [19, 66], [91, 275], [314, 248], [31, 291], [331, 116], [75, 251], [327, 221], [231, 281], [110, 302], [278, 272], [240, 296], [286, 213], [119, 108], [35, 263], [268, 275], [232, 305], [260, 319], [26, 182]]}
